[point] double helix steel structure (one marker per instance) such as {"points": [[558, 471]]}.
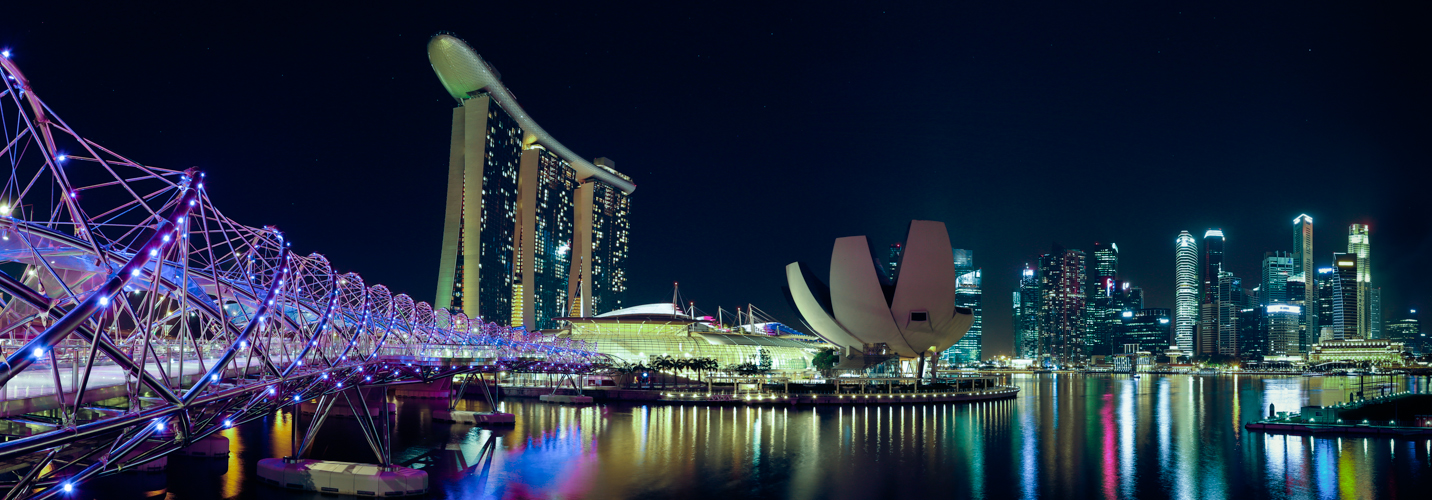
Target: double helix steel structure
{"points": [[136, 319]]}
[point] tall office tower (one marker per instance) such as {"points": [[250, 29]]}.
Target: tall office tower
{"points": [[1347, 297], [1231, 300], [1185, 312], [1374, 312], [1151, 329], [1303, 266], [1134, 299], [1326, 329], [1210, 328], [1358, 244], [1297, 299], [1212, 265], [1404, 330], [1283, 332], [1277, 270], [1252, 335], [1026, 315], [1105, 299], [967, 294], [892, 262], [1062, 278], [516, 219], [546, 209], [598, 285]]}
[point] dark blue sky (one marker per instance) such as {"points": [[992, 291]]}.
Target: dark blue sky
{"points": [[759, 133]]}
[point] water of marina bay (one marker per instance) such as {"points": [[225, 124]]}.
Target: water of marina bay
{"points": [[1064, 436]]}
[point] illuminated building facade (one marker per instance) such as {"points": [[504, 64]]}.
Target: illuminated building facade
{"points": [[1347, 297], [1026, 315], [1359, 244], [1277, 269], [1375, 352], [1105, 299], [1185, 311], [1374, 312], [967, 294], [1150, 329], [531, 231], [892, 261], [1303, 269], [1326, 285], [1063, 306], [1281, 322], [546, 212]]}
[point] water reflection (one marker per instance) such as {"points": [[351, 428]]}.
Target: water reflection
{"points": [[1064, 436]]}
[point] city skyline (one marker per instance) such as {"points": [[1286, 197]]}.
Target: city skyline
{"points": [[983, 120]]}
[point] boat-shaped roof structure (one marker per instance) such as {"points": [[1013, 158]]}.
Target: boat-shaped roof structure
{"points": [[464, 73]]}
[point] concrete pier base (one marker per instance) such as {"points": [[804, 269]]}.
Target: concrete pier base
{"points": [[438, 389], [342, 478], [213, 445], [474, 417], [561, 398]]}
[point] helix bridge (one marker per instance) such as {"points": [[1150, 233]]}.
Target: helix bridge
{"points": [[137, 319]]}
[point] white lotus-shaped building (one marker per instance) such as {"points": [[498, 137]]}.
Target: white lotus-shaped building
{"points": [[913, 314]]}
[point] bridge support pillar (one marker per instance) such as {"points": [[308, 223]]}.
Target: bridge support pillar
{"points": [[343, 478], [213, 445]]}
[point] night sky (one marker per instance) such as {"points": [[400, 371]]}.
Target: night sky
{"points": [[759, 133]]}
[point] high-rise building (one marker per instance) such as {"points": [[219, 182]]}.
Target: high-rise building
{"points": [[892, 261], [1220, 301], [967, 294], [1062, 282], [531, 231], [1026, 315], [1347, 297], [1374, 312], [1252, 333], [1281, 324], [1185, 312], [598, 280], [542, 263], [1327, 285], [1359, 244], [1277, 270], [1231, 300], [1104, 298], [1405, 329], [1151, 329], [1303, 268]]}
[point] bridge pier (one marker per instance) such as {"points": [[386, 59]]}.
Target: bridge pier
{"points": [[213, 445], [494, 417]]}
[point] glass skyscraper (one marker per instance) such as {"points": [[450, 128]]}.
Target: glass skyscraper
{"points": [[1359, 244], [1063, 314], [1303, 269], [1185, 313], [967, 294], [1347, 297], [1026, 315], [1105, 299]]}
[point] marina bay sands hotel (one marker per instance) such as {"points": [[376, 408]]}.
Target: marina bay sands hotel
{"points": [[532, 231]]}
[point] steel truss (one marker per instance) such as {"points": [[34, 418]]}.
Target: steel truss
{"points": [[136, 319]]}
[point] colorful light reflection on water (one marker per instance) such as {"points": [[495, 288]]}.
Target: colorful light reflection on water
{"points": [[1065, 436]]}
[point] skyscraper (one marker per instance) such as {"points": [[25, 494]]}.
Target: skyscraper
{"points": [[1026, 315], [1185, 313], [967, 294], [1217, 333], [1231, 300], [1327, 286], [1358, 244], [892, 262], [1062, 282], [1303, 267], [1277, 269], [1104, 299], [598, 278], [1374, 312], [1347, 297], [1280, 322], [530, 228]]}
